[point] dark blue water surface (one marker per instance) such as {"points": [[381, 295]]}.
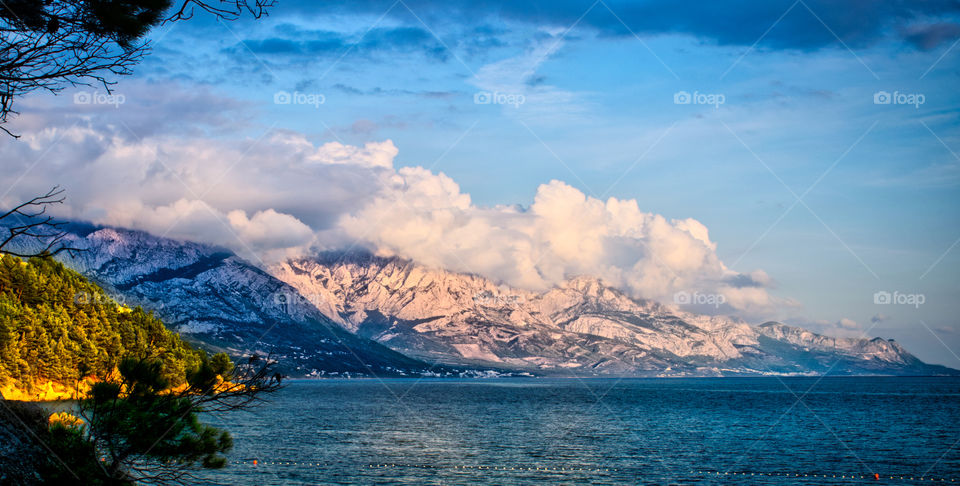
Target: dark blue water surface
{"points": [[600, 431]]}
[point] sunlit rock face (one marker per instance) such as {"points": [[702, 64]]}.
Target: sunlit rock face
{"points": [[579, 327]]}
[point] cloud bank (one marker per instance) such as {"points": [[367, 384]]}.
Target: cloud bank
{"points": [[771, 24], [281, 195]]}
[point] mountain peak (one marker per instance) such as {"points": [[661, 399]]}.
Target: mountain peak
{"points": [[584, 283], [216, 299], [581, 326]]}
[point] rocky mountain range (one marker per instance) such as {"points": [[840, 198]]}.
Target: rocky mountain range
{"points": [[359, 314], [218, 300], [581, 327]]}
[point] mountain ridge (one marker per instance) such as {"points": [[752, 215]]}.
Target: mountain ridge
{"points": [[581, 325], [354, 313], [223, 303]]}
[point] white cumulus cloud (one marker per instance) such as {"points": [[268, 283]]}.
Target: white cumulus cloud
{"points": [[282, 195]]}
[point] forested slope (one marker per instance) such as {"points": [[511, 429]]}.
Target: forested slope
{"points": [[57, 327]]}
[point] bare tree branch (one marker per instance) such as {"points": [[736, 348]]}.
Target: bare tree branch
{"points": [[30, 222], [49, 45], [222, 9]]}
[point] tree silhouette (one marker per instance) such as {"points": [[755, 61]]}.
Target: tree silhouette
{"points": [[150, 389], [30, 221], [52, 44], [146, 433]]}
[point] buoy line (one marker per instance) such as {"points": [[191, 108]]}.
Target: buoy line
{"points": [[595, 469], [461, 467], [872, 476]]}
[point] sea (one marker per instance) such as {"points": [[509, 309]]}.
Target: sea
{"points": [[533, 431]]}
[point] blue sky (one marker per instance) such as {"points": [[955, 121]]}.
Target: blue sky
{"points": [[593, 88]]}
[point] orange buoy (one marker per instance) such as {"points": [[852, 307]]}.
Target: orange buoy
{"points": [[254, 462], [876, 476]]}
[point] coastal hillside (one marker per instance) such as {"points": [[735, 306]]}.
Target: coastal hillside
{"points": [[219, 302], [57, 328], [222, 303]]}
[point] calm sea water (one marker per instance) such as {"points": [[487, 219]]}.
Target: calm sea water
{"points": [[600, 431]]}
